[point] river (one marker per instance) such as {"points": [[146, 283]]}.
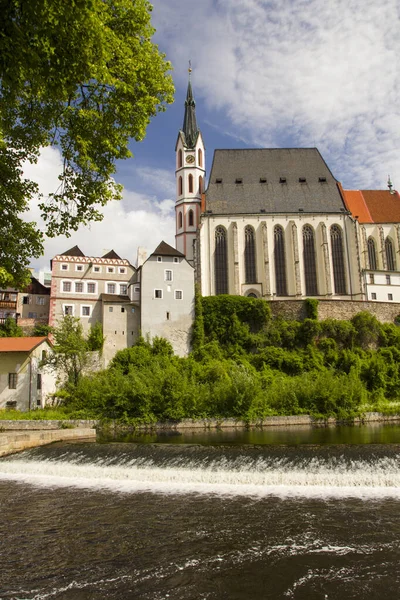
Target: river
{"points": [[296, 513]]}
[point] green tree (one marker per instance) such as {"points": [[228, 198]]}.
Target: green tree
{"points": [[71, 352], [10, 328], [85, 76]]}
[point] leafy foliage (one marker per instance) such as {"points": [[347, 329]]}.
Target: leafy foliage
{"points": [[10, 328], [86, 77]]}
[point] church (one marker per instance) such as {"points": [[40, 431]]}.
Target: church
{"points": [[276, 224]]}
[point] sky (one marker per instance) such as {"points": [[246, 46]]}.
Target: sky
{"points": [[280, 73]]}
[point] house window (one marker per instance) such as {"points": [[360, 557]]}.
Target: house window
{"points": [[168, 275], [85, 311], [387, 279], [91, 288], [136, 289], [122, 270], [178, 294], [68, 309], [250, 254], [373, 296], [79, 267], [390, 296], [122, 309], [372, 254], [168, 316], [132, 310], [44, 354], [176, 259], [26, 300], [110, 309], [66, 286], [40, 300], [371, 278], [12, 381], [110, 269], [39, 381], [123, 289], [110, 288], [78, 286], [339, 277], [32, 315], [310, 265], [97, 269], [221, 261], [390, 260], [159, 258], [64, 267], [280, 261], [157, 293]]}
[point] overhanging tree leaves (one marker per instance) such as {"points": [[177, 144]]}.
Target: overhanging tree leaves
{"points": [[85, 76]]}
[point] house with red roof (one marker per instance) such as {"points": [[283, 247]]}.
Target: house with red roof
{"points": [[376, 214], [24, 383]]}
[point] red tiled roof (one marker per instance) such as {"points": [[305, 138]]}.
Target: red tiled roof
{"points": [[355, 203], [20, 344], [373, 206]]}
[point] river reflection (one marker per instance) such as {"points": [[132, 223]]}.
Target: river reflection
{"points": [[375, 433]]}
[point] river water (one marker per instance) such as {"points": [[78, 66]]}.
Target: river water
{"points": [[299, 514]]}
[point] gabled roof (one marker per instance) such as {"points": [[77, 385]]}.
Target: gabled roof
{"points": [[75, 251], [112, 255], [21, 344], [35, 287], [165, 249], [373, 206], [272, 180]]}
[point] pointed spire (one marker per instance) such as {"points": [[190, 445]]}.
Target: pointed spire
{"points": [[189, 122]]}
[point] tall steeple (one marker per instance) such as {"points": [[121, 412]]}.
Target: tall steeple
{"points": [[189, 121], [190, 177]]}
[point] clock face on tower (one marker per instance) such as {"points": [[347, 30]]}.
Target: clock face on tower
{"points": [[190, 159]]}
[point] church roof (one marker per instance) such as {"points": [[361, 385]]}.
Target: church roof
{"points": [[165, 249], [272, 180], [373, 206], [75, 251]]}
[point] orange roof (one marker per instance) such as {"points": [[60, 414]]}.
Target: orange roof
{"points": [[20, 344], [355, 203], [373, 206]]}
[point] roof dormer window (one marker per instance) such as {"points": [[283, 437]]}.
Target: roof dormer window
{"points": [[302, 180], [282, 179], [218, 180], [263, 180], [322, 179], [238, 180]]}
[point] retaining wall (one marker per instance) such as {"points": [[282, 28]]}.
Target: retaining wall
{"points": [[335, 309], [18, 440]]}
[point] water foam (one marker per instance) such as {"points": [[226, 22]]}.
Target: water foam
{"points": [[311, 479]]}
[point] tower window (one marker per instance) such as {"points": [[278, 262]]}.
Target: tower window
{"points": [[200, 157], [179, 158], [180, 219], [200, 184], [180, 186], [190, 184], [191, 218]]}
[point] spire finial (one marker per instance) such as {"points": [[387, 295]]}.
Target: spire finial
{"points": [[190, 69], [390, 185]]}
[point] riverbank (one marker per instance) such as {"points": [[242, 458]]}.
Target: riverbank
{"points": [[16, 441]]}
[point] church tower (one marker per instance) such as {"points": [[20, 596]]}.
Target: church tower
{"points": [[190, 178]]}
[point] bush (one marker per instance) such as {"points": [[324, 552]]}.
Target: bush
{"points": [[311, 306]]}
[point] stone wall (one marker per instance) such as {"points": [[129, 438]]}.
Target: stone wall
{"points": [[336, 309], [21, 440], [30, 424]]}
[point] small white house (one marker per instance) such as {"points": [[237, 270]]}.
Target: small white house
{"points": [[24, 385]]}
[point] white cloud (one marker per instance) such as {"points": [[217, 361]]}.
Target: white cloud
{"points": [[139, 220], [301, 73]]}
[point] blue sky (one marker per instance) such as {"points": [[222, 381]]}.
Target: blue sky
{"points": [[266, 73]]}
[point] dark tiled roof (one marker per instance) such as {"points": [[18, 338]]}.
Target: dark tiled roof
{"points": [[165, 249], [75, 251], [35, 287], [112, 254], [114, 298], [190, 129], [282, 192]]}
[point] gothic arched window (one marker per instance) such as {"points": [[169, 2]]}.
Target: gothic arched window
{"points": [[180, 186], [191, 218], [200, 184], [221, 261], [180, 219], [372, 254], [200, 157], [250, 255], [309, 261], [280, 261], [180, 161], [339, 276], [390, 259], [190, 184]]}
